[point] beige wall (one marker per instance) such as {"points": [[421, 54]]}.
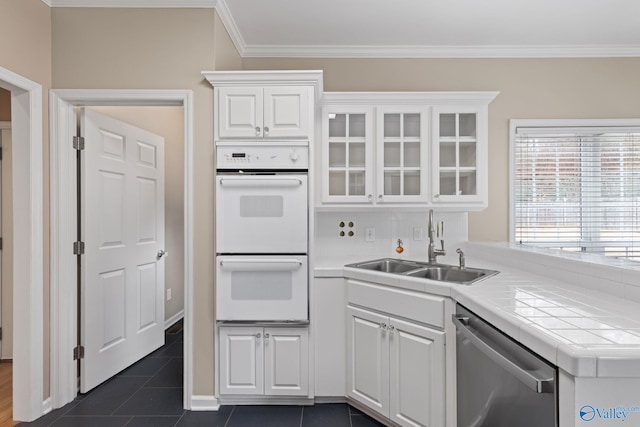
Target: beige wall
{"points": [[154, 48], [529, 88], [168, 123], [25, 49], [226, 56], [7, 242]]}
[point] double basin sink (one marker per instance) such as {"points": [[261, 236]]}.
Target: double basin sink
{"points": [[423, 270]]}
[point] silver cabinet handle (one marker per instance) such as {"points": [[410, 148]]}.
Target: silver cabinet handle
{"points": [[161, 253], [383, 326], [257, 130], [266, 131], [370, 197], [266, 336], [528, 378], [391, 329], [258, 335]]}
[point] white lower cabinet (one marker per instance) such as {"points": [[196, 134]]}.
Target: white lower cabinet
{"points": [[396, 368], [264, 361]]}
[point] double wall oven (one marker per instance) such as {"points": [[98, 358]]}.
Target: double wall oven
{"points": [[262, 233]]}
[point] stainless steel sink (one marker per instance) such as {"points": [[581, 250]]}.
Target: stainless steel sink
{"points": [[388, 265], [446, 273], [424, 270]]}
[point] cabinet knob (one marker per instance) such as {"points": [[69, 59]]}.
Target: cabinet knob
{"points": [[258, 335], [266, 336], [380, 197], [257, 130], [266, 131], [383, 326], [391, 329], [370, 196]]}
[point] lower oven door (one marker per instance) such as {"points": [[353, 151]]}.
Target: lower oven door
{"points": [[262, 288]]}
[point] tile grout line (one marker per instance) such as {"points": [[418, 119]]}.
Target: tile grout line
{"points": [[230, 414], [301, 416]]}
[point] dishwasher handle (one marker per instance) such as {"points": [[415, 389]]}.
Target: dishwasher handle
{"points": [[536, 383]]}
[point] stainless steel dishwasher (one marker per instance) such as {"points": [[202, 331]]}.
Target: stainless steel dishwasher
{"points": [[500, 383]]}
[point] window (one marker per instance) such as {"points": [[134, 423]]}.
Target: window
{"points": [[576, 186]]}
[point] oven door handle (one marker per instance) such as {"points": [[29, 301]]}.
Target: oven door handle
{"points": [[529, 378], [253, 264], [256, 181]]}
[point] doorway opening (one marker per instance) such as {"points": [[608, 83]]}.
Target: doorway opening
{"points": [[64, 225]]}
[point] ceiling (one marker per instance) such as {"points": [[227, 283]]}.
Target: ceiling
{"points": [[419, 28]]}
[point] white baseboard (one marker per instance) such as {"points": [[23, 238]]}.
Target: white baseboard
{"points": [[204, 403], [326, 399], [173, 319], [46, 406]]}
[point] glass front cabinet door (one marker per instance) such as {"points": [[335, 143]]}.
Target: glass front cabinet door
{"points": [[401, 155], [347, 155], [459, 153]]}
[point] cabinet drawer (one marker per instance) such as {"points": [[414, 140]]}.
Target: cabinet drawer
{"points": [[412, 305]]}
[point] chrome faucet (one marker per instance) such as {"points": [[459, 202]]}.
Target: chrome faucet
{"points": [[461, 259], [433, 252]]}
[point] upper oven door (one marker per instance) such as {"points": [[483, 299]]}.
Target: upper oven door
{"points": [[261, 214]]}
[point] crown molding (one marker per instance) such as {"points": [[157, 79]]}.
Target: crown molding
{"points": [[299, 51], [133, 3], [230, 25]]}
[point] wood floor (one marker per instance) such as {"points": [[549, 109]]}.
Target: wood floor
{"points": [[6, 401]]}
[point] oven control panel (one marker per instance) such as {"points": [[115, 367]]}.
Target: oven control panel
{"points": [[267, 157]]}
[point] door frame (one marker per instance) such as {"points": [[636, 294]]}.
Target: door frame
{"points": [[28, 262], [64, 381]]}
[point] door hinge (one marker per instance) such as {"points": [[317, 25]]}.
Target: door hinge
{"points": [[0, 333], [1, 242], [78, 352], [78, 248], [78, 143], [0, 153]]}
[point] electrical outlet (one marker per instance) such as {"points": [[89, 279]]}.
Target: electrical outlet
{"points": [[418, 233], [370, 234], [168, 294]]}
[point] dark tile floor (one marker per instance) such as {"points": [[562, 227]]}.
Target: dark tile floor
{"points": [[149, 394]]}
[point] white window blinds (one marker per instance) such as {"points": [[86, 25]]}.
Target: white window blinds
{"points": [[578, 189]]}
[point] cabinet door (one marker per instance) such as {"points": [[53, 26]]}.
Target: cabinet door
{"points": [[417, 392], [286, 112], [459, 156], [368, 359], [241, 360], [347, 155], [240, 112], [286, 361], [402, 155]]}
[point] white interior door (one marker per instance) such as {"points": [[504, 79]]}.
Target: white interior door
{"points": [[122, 220]]}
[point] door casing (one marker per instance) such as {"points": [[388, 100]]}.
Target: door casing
{"points": [[28, 263], [63, 227]]}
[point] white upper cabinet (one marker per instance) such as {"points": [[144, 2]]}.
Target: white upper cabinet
{"points": [[347, 151], [270, 112], [402, 154], [264, 105], [460, 156], [413, 149]]}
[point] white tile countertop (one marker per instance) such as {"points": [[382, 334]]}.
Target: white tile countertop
{"points": [[575, 312]]}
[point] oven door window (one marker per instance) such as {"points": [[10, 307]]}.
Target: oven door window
{"points": [[253, 285], [261, 206]]}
